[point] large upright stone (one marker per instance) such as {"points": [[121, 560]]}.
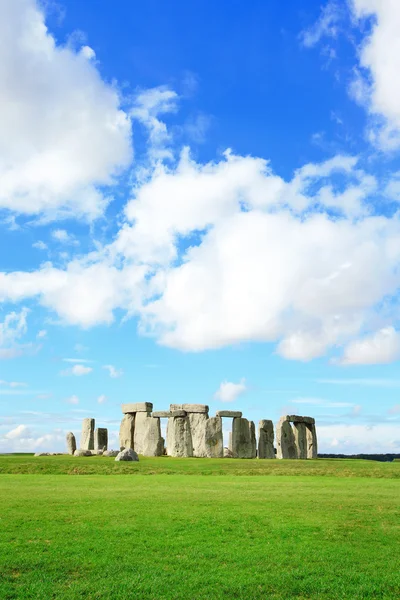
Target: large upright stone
{"points": [[300, 438], [198, 430], [243, 439], [266, 439], [87, 438], [101, 438], [312, 444], [147, 438], [214, 442], [179, 437], [286, 445], [127, 431], [71, 443], [134, 407]]}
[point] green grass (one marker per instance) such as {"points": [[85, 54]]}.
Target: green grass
{"points": [[294, 536]]}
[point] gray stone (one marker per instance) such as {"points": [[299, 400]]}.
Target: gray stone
{"points": [[266, 439], [161, 414], [97, 452], [228, 453], [285, 441], [299, 419], [243, 439], [134, 407], [214, 442], [71, 443], [198, 430], [147, 438], [300, 438], [229, 413], [312, 444], [101, 438], [179, 438], [81, 452], [127, 431], [87, 438], [111, 453], [42, 454], [191, 408], [178, 413], [128, 454]]}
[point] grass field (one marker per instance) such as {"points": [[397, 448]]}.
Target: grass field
{"points": [[291, 529]]}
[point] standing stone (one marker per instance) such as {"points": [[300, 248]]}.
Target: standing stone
{"points": [[214, 442], [179, 438], [101, 438], [300, 438], [87, 438], [266, 439], [127, 431], [312, 444], [243, 439], [147, 437], [197, 423], [286, 445], [71, 443]]}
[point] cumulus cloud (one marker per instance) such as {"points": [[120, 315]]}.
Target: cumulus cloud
{"points": [[12, 329], [229, 391], [72, 399], [63, 134], [102, 399], [381, 347], [113, 372], [357, 438], [39, 245], [77, 370], [21, 431], [62, 236], [325, 26]]}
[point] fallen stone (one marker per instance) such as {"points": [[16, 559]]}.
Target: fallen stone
{"points": [[300, 438], [127, 431], [286, 445], [71, 443], [42, 454], [214, 442], [111, 453], [101, 438], [243, 439], [135, 407], [161, 414], [178, 413], [147, 439], [179, 437], [229, 413], [191, 408], [266, 439], [81, 452], [312, 444], [228, 453], [128, 454], [87, 438]]}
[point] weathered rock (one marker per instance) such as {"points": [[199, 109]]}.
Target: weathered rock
{"points": [[71, 443], [228, 453], [161, 414], [147, 439], [312, 444], [214, 442], [87, 438], [198, 430], [81, 452], [300, 438], [128, 454], [134, 407], [229, 413], [178, 413], [101, 438], [42, 454], [179, 437], [286, 445], [127, 431], [299, 419], [111, 453], [266, 439], [97, 452], [191, 408], [243, 439]]}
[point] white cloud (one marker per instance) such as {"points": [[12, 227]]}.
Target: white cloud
{"points": [[41, 334], [325, 26], [13, 384], [77, 360], [102, 399], [62, 236], [113, 372], [39, 245], [77, 370], [63, 134], [229, 391], [356, 439], [72, 399], [381, 347], [19, 432], [12, 329]]}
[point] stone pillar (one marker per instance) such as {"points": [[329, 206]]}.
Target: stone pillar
{"points": [[214, 442], [312, 444], [127, 431], [147, 437], [286, 445], [179, 438], [198, 417], [243, 439], [71, 443], [87, 438], [101, 439], [300, 438], [266, 439]]}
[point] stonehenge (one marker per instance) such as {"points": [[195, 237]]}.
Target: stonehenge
{"points": [[191, 432]]}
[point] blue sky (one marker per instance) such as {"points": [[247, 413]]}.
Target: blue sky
{"points": [[199, 203]]}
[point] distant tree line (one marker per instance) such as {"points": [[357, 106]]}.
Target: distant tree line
{"points": [[380, 457]]}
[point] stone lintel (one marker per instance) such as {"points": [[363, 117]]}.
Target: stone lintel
{"points": [[134, 407], [229, 413], [299, 419], [162, 414], [178, 413], [190, 408]]}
